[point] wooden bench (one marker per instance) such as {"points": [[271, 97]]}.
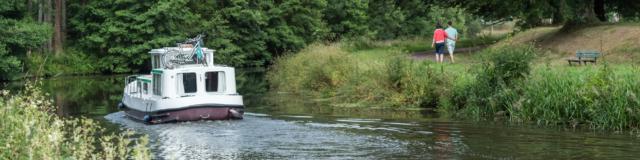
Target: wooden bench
{"points": [[582, 57]]}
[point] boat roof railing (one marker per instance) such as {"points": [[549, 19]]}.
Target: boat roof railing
{"points": [[188, 52]]}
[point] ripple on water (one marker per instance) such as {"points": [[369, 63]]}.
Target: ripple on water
{"points": [[259, 137], [298, 116], [357, 120], [356, 126], [256, 114]]}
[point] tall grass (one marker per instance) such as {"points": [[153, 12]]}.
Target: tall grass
{"points": [[328, 71], [505, 83], [495, 82], [315, 68], [30, 130], [599, 97]]}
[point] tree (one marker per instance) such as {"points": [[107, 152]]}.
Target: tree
{"points": [[251, 33], [293, 24], [531, 13], [626, 8], [346, 18], [120, 33], [58, 35], [19, 35], [386, 20]]}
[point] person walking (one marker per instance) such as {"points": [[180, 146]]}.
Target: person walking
{"points": [[452, 37], [438, 42]]}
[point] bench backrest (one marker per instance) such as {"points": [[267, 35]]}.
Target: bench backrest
{"points": [[588, 54]]}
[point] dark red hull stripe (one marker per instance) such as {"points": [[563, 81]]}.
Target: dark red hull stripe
{"points": [[193, 113]]}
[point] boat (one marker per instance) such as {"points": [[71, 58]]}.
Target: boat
{"points": [[184, 84]]}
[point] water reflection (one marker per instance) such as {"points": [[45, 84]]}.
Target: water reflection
{"points": [[90, 96]]}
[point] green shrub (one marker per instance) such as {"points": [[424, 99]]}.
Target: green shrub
{"points": [[495, 84], [70, 63], [315, 68], [9, 65], [31, 130], [327, 71]]}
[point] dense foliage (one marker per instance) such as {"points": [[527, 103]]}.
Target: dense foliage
{"points": [[19, 35], [533, 13], [114, 36], [31, 130], [245, 33], [496, 81]]}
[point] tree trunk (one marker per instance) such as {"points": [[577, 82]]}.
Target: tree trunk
{"points": [[589, 14], [586, 14], [64, 22], [29, 9], [47, 19], [558, 16], [57, 27], [40, 12], [598, 9], [44, 16]]}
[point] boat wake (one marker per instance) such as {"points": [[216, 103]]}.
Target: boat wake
{"points": [[258, 136]]}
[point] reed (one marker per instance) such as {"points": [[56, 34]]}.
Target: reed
{"points": [[599, 97], [31, 130]]}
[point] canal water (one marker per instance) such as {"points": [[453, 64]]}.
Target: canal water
{"points": [[281, 126]]}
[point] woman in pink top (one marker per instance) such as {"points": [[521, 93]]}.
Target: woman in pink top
{"points": [[439, 37]]}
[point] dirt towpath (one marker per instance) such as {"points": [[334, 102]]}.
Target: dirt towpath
{"points": [[459, 52]]}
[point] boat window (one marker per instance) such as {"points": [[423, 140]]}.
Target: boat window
{"points": [[145, 88], [214, 81], [189, 82], [138, 86], [157, 84], [156, 61]]}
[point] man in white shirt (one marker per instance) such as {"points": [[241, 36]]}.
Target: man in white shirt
{"points": [[452, 34]]}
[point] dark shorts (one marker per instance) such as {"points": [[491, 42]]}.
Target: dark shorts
{"points": [[440, 48]]}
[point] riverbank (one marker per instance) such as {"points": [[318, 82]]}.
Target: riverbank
{"points": [[31, 130], [516, 82]]}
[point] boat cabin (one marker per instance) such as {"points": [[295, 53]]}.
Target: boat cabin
{"points": [[184, 85], [177, 72]]}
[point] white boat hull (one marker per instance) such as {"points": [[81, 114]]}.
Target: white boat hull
{"points": [[213, 107]]}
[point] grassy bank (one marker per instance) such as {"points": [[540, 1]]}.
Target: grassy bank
{"points": [[509, 85], [29, 129], [384, 77], [603, 97], [507, 82]]}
